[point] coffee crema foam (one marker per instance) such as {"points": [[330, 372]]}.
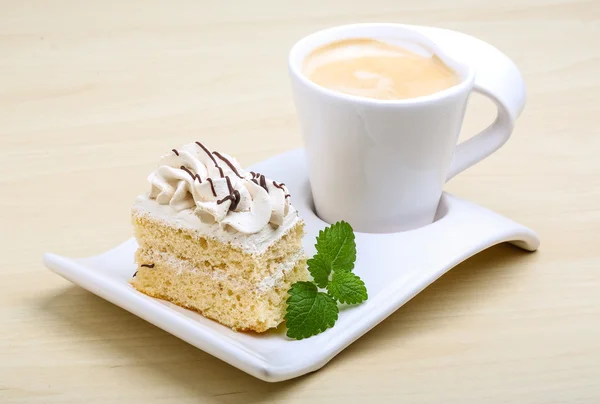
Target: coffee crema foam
{"points": [[374, 69]]}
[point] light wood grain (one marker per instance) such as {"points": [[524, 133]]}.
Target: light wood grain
{"points": [[92, 92]]}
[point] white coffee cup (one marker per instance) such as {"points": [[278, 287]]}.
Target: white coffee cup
{"points": [[381, 165]]}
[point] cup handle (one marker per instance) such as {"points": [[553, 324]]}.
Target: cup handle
{"points": [[498, 78]]}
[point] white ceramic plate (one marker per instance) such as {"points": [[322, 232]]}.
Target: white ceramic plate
{"points": [[395, 267]]}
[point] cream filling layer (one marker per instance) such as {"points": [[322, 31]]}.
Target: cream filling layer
{"points": [[263, 286], [255, 243]]}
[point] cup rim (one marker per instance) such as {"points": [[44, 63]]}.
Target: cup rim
{"points": [[465, 84]]}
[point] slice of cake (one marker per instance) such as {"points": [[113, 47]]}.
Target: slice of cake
{"points": [[217, 239]]}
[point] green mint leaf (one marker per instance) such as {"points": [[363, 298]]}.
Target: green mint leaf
{"points": [[347, 288], [336, 247], [320, 270], [309, 312]]}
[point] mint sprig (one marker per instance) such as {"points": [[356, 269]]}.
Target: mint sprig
{"points": [[347, 288], [311, 311], [337, 246], [320, 270]]}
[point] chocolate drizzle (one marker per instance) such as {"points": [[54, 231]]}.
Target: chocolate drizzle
{"points": [[235, 193], [280, 186], [212, 186], [194, 176], [135, 274], [227, 198], [256, 177], [175, 151], [212, 158], [228, 163], [208, 152], [147, 266], [234, 196], [236, 200], [263, 183], [229, 187]]}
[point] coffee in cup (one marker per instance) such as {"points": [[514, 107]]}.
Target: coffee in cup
{"points": [[379, 150], [371, 68]]}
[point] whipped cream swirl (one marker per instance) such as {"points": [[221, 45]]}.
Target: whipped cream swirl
{"points": [[218, 189]]}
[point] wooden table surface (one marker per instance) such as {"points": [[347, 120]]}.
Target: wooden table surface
{"points": [[92, 93]]}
